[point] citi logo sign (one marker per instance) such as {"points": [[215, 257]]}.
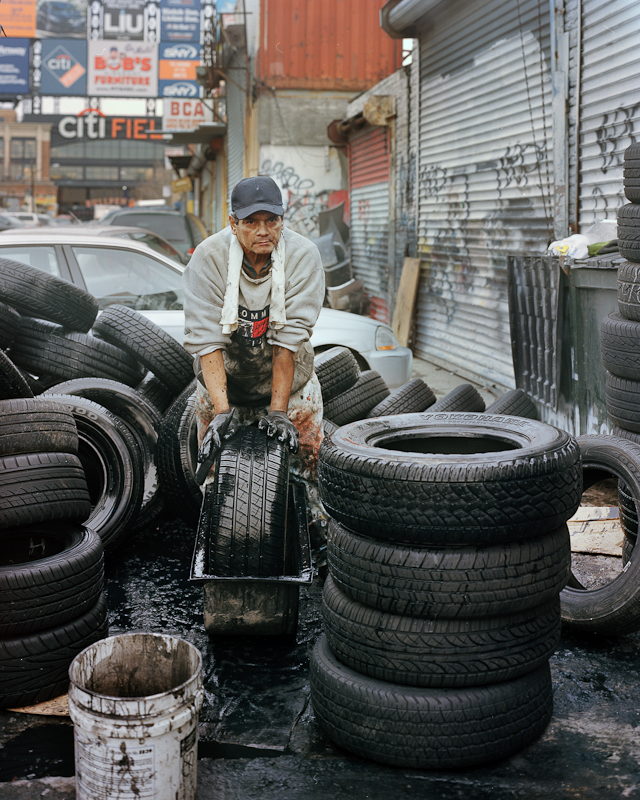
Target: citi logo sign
{"points": [[186, 51], [60, 63], [64, 67], [180, 90]]}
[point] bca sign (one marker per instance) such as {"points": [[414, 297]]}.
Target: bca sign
{"points": [[182, 114]]}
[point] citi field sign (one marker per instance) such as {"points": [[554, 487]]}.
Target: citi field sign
{"points": [[91, 124]]}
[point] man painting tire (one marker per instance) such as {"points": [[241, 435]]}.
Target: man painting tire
{"points": [[253, 293]]}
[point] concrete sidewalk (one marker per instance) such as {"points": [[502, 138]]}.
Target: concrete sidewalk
{"points": [[441, 381]]}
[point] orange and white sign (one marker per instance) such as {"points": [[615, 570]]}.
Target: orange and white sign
{"points": [[18, 18], [122, 69]]}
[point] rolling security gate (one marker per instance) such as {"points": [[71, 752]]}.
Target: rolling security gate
{"points": [[484, 175], [236, 100], [609, 103], [369, 204]]}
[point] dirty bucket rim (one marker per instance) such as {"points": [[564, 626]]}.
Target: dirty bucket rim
{"points": [[194, 676]]}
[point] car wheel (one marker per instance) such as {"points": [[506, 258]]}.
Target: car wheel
{"points": [[36, 425], [407, 726], [612, 608], [143, 340], [9, 325], [412, 397], [156, 392], [444, 653], [629, 290], [337, 370], [450, 479], [622, 397], [620, 346], [369, 390], [463, 398], [38, 487], [47, 349], [35, 293], [13, 383], [50, 573], [448, 583], [245, 508], [515, 403], [112, 464], [35, 668]]}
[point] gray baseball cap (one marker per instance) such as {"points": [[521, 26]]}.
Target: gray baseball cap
{"points": [[256, 194]]}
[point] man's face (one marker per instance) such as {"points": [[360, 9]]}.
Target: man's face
{"points": [[258, 233]]}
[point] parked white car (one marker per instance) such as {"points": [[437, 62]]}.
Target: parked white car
{"points": [[123, 271]]}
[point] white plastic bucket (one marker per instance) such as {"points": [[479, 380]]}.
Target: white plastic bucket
{"points": [[134, 701]]}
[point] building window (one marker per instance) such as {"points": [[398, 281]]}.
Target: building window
{"points": [[66, 172], [101, 173], [23, 159], [136, 173]]}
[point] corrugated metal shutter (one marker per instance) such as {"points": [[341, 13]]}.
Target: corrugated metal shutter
{"points": [[219, 221], [609, 103], [235, 131], [484, 175], [369, 204]]}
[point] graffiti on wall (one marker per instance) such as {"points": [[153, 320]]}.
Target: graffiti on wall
{"points": [[614, 128], [302, 201]]}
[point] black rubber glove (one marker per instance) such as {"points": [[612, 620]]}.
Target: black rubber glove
{"points": [[277, 425], [221, 428]]}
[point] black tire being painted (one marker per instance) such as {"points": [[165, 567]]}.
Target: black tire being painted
{"points": [[45, 348], [248, 516], [12, 382], [149, 344], [515, 403], [39, 294], [409, 398], [9, 325], [112, 463], [615, 607], [36, 425], [49, 574], [440, 582], [337, 371], [35, 668], [369, 390], [622, 397], [443, 653], [620, 346], [39, 487], [629, 290], [420, 478], [143, 420], [427, 728], [176, 437], [463, 398]]}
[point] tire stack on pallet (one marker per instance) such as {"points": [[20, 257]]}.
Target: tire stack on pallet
{"points": [[117, 375], [448, 549], [52, 603]]}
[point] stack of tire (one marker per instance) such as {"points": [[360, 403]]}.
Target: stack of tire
{"points": [[52, 603], [447, 550], [117, 375]]}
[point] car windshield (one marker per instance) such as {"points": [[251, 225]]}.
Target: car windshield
{"points": [[130, 278], [40, 256], [169, 226]]}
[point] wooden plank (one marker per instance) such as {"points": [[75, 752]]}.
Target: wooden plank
{"points": [[406, 300]]}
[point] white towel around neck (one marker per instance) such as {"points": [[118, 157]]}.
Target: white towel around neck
{"points": [[277, 314]]}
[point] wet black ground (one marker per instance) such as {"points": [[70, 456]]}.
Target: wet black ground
{"points": [[258, 735]]}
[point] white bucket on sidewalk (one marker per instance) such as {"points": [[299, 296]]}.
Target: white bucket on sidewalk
{"points": [[134, 701]]}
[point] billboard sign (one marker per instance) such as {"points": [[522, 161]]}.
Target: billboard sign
{"points": [[177, 70], [64, 67], [61, 19], [182, 115], [122, 20], [19, 18], [122, 69], [180, 20], [90, 125], [14, 66]]}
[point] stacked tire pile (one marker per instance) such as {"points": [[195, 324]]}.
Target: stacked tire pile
{"points": [[117, 374], [52, 603], [448, 549]]}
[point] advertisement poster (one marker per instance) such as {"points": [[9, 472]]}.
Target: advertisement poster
{"points": [[184, 115], [14, 66], [123, 69], [64, 67], [135, 20], [177, 70], [19, 18], [61, 19], [180, 20]]}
